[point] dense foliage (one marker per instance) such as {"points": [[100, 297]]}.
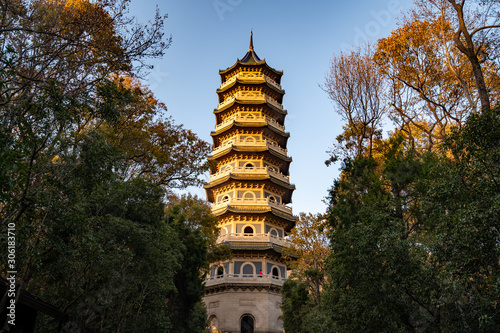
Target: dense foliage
{"points": [[414, 219], [87, 158], [415, 242]]}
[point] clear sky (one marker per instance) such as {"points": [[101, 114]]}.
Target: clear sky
{"points": [[297, 37]]}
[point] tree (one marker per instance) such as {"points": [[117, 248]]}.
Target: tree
{"points": [[57, 59], [88, 209], [414, 241], [464, 41], [460, 201], [474, 24], [295, 299], [426, 96], [197, 229], [309, 250], [357, 90], [154, 146], [301, 293], [414, 232]]}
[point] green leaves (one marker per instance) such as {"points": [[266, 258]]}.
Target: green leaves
{"points": [[87, 156], [415, 236]]}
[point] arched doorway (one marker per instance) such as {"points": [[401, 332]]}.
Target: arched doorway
{"points": [[247, 324], [214, 323]]}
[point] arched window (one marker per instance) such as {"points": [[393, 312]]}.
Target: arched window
{"points": [[247, 324], [249, 166], [276, 272], [274, 232], [225, 198], [249, 139], [248, 230], [248, 269], [272, 198], [249, 195]]}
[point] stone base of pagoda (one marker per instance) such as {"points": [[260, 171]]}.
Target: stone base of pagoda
{"points": [[229, 304]]}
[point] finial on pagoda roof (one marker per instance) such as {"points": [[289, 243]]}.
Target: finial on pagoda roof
{"points": [[251, 41]]}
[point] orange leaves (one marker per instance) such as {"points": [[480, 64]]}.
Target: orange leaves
{"points": [[153, 145], [429, 78], [413, 49]]}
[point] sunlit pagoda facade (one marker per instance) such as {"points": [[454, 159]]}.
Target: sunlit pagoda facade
{"points": [[250, 191]]}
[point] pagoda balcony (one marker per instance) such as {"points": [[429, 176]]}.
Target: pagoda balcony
{"points": [[249, 119], [250, 76], [250, 96], [254, 238], [252, 204], [260, 171], [250, 143], [244, 279]]}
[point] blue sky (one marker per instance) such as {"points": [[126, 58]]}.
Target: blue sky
{"points": [[297, 37]]}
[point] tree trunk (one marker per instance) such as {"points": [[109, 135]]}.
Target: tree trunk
{"points": [[470, 53]]}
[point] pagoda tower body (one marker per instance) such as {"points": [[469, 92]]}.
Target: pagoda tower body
{"points": [[250, 189]]}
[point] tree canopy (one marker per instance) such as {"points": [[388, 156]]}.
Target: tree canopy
{"points": [[88, 158], [414, 217]]}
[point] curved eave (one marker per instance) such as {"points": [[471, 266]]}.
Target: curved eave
{"points": [[287, 160], [237, 102], [269, 209], [248, 150], [283, 135], [289, 188], [242, 63], [288, 220], [257, 247], [270, 153], [250, 177], [247, 124], [249, 102], [247, 82], [229, 286], [278, 250]]}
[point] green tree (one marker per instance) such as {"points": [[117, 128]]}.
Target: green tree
{"points": [[87, 200], [415, 236], [295, 300], [461, 203], [196, 227], [301, 293], [309, 248]]}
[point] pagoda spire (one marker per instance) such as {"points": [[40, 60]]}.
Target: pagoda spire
{"points": [[251, 41], [251, 56], [249, 188]]}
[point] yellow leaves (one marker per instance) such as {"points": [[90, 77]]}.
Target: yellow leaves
{"points": [[56, 159], [309, 240], [415, 45], [76, 4]]}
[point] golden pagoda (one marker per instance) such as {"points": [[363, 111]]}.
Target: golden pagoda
{"points": [[249, 187]]}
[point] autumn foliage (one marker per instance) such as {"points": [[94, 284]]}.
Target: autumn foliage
{"points": [[87, 157], [413, 219]]}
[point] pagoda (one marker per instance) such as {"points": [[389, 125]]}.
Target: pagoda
{"points": [[249, 189]]}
